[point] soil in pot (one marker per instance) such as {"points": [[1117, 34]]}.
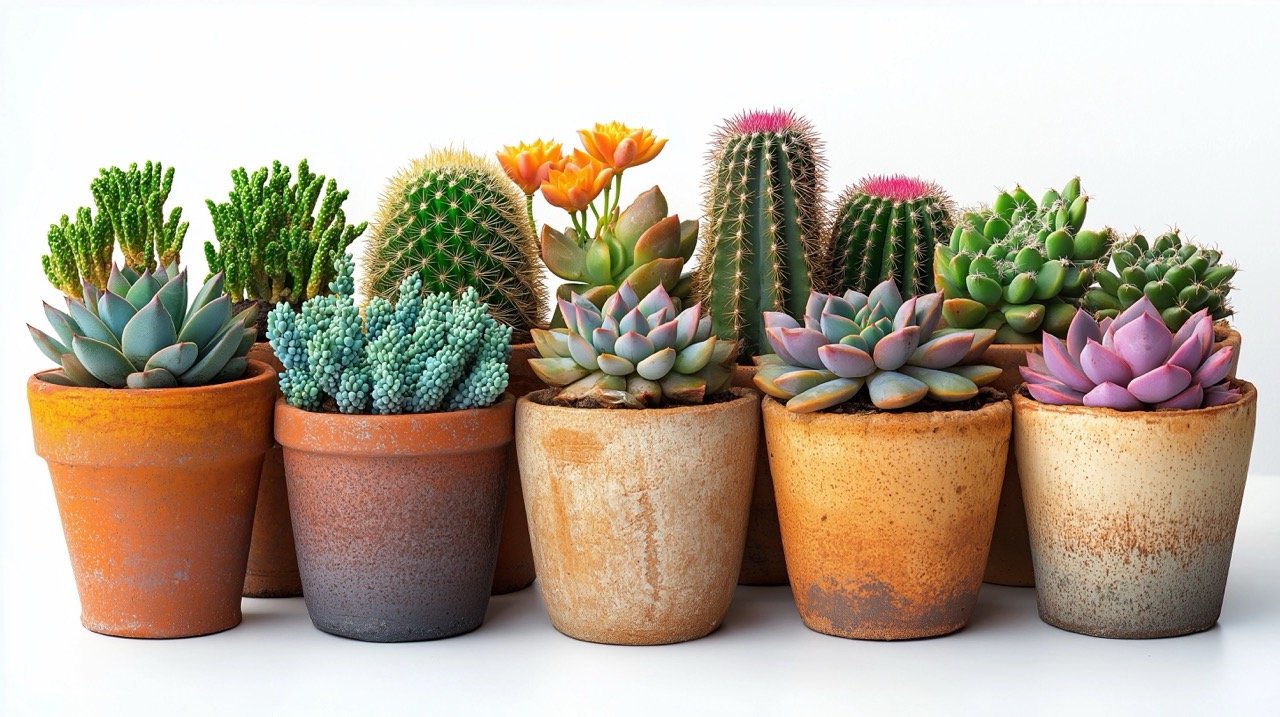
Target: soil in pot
{"points": [[763, 562]]}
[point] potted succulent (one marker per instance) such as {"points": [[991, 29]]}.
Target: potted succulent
{"points": [[1020, 268], [273, 246], [634, 479], [887, 460], [395, 431], [1134, 447]]}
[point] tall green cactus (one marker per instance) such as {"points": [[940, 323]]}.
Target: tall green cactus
{"points": [[457, 220], [132, 201], [885, 228], [763, 232]]}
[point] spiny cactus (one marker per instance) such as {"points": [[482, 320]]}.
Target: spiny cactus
{"points": [[140, 333], [1132, 362], [762, 238], [132, 201], [1179, 279], [891, 347], [635, 352], [272, 246], [455, 220], [1019, 267], [885, 228], [79, 253], [416, 354]]}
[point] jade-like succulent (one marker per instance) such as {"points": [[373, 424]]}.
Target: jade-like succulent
{"points": [[141, 333], [1178, 278], [418, 354], [893, 348], [1020, 267], [633, 352], [1132, 362], [272, 245]]}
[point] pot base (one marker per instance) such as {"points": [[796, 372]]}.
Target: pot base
{"points": [[1124, 634], [375, 629]]}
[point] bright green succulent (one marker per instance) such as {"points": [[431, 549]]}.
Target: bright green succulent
{"points": [[141, 333]]}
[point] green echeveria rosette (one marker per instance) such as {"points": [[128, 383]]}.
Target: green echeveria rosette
{"points": [[1020, 267]]}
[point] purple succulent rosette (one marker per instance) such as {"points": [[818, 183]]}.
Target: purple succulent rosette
{"points": [[1132, 363]]}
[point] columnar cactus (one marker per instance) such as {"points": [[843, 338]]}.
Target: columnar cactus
{"points": [[1178, 278], [456, 220], [763, 230], [132, 201], [885, 228], [272, 246], [415, 354], [1019, 267], [892, 348]]}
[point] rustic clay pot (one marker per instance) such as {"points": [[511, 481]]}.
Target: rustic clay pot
{"points": [[637, 516], [396, 517], [515, 556], [1133, 514], [886, 517], [1225, 335], [156, 490], [762, 560], [273, 560]]}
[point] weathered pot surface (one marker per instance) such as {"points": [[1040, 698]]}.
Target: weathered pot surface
{"points": [[1009, 562], [515, 555], [156, 489], [396, 517], [1133, 514], [763, 562], [637, 517], [886, 517]]}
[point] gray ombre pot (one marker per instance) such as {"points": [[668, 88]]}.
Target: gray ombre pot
{"points": [[396, 518], [1132, 515]]}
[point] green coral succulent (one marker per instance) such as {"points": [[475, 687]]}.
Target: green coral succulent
{"points": [[79, 253]]}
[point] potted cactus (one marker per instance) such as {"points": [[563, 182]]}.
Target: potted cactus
{"points": [[274, 247], [396, 432], [634, 479], [887, 458], [1133, 446]]}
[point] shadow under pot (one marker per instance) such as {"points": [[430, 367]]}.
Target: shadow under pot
{"points": [[396, 517], [156, 490], [637, 516], [886, 517], [1133, 514]]}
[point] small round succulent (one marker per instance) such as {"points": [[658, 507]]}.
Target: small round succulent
{"points": [[633, 352], [891, 347], [1132, 362]]}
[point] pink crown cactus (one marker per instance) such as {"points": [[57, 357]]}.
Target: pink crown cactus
{"points": [[891, 347], [1132, 362]]}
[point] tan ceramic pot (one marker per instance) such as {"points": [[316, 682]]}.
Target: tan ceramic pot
{"points": [[886, 518], [1009, 562], [515, 555], [763, 562], [1133, 514], [637, 516]]}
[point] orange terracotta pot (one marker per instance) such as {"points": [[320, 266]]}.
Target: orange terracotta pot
{"points": [[515, 555], [1009, 562], [763, 562], [156, 489], [273, 559]]}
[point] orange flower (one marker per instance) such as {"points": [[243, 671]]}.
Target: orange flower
{"points": [[618, 146], [574, 187], [529, 163]]}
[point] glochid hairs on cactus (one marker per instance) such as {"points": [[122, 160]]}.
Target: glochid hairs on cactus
{"points": [[414, 353]]}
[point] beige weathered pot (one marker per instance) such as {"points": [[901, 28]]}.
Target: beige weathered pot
{"points": [[886, 517], [1133, 514], [637, 517], [1225, 335], [1009, 562], [763, 562]]}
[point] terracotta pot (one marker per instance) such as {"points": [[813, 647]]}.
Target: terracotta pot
{"points": [[273, 560], [396, 517], [637, 516], [762, 560], [1225, 335], [1133, 514], [156, 491], [886, 518], [515, 555]]}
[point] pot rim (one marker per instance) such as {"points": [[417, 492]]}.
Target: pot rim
{"points": [[739, 394], [1249, 395], [993, 411], [255, 373]]}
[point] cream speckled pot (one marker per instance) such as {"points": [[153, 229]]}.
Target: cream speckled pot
{"points": [[1133, 515], [637, 517]]}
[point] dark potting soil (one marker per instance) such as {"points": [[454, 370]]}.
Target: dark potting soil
{"points": [[547, 398], [862, 405], [264, 308]]}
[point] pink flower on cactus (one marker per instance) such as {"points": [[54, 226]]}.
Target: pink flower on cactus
{"points": [[897, 187], [775, 120]]}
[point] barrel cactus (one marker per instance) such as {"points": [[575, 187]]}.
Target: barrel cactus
{"points": [[885, 227], [1178, 278], [457, 221], [1020, 267], [1132, 362], [414, 354], [140, 333], [895, 349], [763, 231], [632, 353]]}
